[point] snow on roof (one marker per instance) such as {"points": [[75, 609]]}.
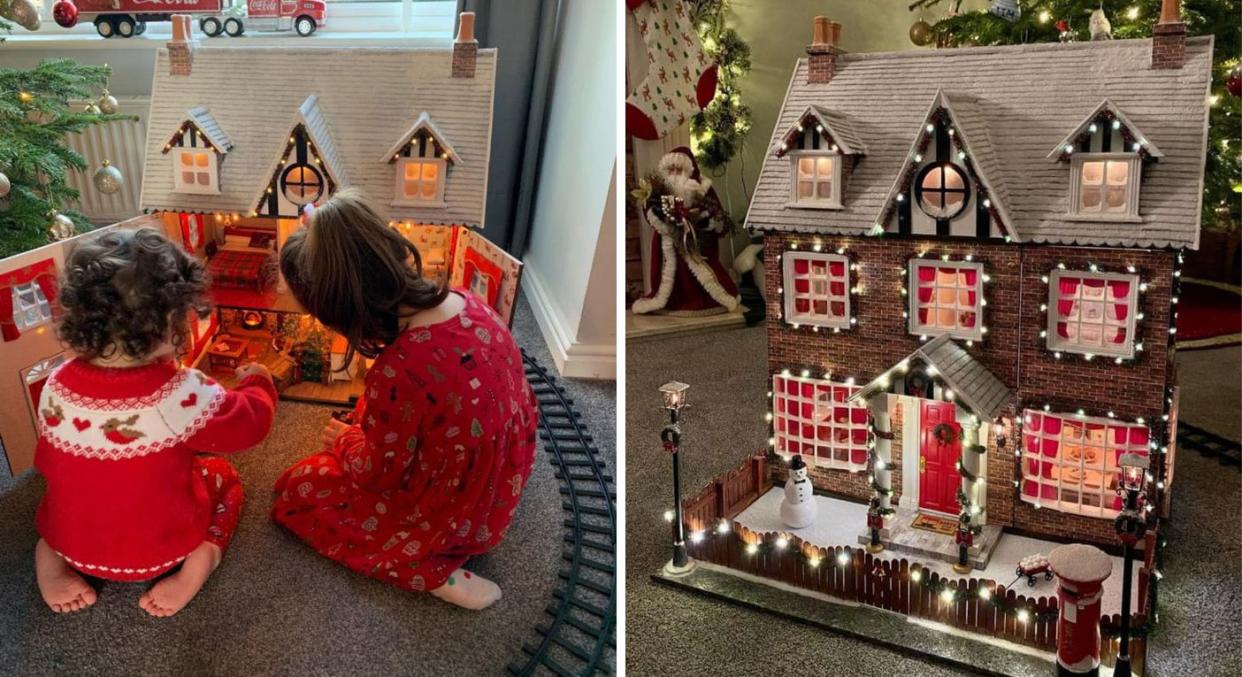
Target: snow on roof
{"points": [[352, 115], [1027, 96], [201, 117], [1080, 563]]}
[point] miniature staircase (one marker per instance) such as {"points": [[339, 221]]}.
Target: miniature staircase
{"points": [[898, 536]]}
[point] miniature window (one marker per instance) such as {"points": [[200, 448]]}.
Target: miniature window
{"points": [[1070, 463], [817, 179], [942, 191], [946, 298], [1105, 185], [817, 289], [302, 184], [30, 306], [195, 171], [420, 181], [1092, 313], [811, 418]]}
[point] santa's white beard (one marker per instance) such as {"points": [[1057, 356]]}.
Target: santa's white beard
{"points": [[686, 188]]}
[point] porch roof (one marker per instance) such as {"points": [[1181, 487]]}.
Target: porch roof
{"points": [[973, 384]]}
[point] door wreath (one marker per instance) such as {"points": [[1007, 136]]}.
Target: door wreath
{"points": [[944, 433]]}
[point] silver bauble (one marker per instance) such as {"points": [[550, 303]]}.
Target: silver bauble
{"points": [[108, 179], [108, 104], [61, 226], [5, 185]]}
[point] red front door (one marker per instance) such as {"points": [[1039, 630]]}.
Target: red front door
{"points": [[938, 476]]}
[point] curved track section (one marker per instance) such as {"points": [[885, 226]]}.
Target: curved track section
{"points": [[578, 635]]}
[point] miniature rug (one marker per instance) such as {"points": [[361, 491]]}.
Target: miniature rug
{"points": [[1209, 315], [939, 525]]}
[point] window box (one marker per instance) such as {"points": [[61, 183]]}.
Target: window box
{"points": [[1092, 313], [946, 297], [817, 289], [811, 418], [1070, 462]]}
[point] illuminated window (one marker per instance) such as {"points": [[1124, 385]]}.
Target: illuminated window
{"points": [[817, 289], [302, 184], [817, 179], [30, 306], [812, 418], [195, 171], [1092, 312], [941, 191], [1070, 463], [420, 181], [946, 298], [1105, 185]]}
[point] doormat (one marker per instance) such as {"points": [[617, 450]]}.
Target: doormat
{"points": [[934, 523]]}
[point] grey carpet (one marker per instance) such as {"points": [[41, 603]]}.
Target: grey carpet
{"points": [[275, 607], [673, 632]]}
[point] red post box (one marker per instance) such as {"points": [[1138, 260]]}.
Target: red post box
{"points": [[1081, 571]]}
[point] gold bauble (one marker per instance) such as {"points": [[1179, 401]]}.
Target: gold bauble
{"points": [[920, 33]]}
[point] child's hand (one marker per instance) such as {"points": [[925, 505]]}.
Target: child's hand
{"points": [[332, 431], [252, 369]]}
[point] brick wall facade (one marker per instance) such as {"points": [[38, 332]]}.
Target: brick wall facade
{"points": [[465, 59], [1168, 45], [1012, 349], [180, 58], [821, 63]]}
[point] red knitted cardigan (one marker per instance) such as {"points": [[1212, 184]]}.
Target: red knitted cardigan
{"points": [[116, 446]]}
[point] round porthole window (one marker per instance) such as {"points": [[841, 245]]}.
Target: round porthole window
{"points": [[941, 191], [302, 184]]}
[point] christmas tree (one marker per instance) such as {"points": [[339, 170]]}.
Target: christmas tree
{"points": [[35, 117], [1009, 22]]}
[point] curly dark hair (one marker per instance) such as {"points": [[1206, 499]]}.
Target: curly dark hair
{"points": [[129, 291]]}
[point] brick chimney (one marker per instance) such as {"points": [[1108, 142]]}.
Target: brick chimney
{"points": [[1168, 40], [465, 47], [181, 48], [823, 51]]}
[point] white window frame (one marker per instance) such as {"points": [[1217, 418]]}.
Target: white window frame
{"points": [[789, 260], [22, 309], [213, 171], [1135, 167], [834, 202], [1106, 491], [912, 293], [1055, 342], [839, 455], [399, 197]]}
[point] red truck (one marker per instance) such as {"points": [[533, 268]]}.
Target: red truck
{"points": [[127, 18]]}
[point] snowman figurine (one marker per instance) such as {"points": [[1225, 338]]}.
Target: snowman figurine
{"points": [[798, 508]]}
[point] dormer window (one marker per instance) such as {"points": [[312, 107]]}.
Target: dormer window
{"points": [[817, 178], [420, 181], [1105, 184], [421, 158], [195, 171], [196, 149]]}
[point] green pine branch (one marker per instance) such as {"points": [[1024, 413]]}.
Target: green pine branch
{"points": [[35, 118]]}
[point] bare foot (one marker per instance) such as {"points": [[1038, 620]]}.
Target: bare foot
{"points": [[468, 591], [62, 588], [169, 595]]}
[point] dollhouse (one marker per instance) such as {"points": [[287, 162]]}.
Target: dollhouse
{"points": [[240, 140], [972, 264]]}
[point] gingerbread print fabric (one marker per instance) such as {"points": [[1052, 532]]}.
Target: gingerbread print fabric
{"points": [[433, 469]]}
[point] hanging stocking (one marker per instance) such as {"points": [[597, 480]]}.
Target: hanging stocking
{"points": [[679, 81]]}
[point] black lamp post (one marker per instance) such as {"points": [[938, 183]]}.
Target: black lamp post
{"points": [[674, 394], [1131, 526]]}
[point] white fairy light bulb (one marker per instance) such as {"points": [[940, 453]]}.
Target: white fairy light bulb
{"points": [[843, 558]]}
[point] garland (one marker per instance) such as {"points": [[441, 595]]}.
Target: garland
{"points": [[718, 131]]}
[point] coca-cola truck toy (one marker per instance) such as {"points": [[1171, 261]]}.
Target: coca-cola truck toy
{"points": [[127, 18]]}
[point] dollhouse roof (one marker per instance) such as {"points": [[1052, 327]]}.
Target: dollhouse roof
{"points": [[202, 119], [424, 122], [1105, 106], [352, 115], [1017, 102], [973, 384], [837, 125]]}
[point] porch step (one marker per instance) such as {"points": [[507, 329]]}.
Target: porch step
{"points": [[898, 536]]}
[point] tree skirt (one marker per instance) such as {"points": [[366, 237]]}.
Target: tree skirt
{"points": [[1209, 315]]}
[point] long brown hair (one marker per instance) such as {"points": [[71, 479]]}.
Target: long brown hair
{"points": [[354, 273]]}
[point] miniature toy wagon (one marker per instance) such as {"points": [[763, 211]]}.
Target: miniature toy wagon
{"points": [[1032, 566]]}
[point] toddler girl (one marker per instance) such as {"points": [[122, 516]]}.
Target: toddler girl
{"points": [[121, 424], [431, 472]]}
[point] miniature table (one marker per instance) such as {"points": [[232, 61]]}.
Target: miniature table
{"points": [[227, 353]]}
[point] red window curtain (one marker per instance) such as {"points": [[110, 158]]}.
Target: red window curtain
{"points": [[42, 273], [1119, 291], [1068, 288]]}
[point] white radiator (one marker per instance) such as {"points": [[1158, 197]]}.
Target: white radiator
{"points": [[121, 143]]}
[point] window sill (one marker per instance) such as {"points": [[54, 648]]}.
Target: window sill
{"points": [[1104, 218], [813, 322], [827, 206], [1100, 354], [416, 205], [953, 335]]}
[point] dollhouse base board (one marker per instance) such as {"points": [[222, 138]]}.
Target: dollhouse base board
{"points": [[838, 523], [970, 653], [661, 326]]}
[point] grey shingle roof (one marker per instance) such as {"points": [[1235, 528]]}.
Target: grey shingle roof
{"points": [[424, 121], [363, 100], [201, 117], [1028, 97], [836, 124], [972, 383]]}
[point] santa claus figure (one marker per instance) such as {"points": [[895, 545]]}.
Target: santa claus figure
{"points": [[686, 214]]}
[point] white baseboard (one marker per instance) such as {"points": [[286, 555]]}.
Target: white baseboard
{"points": [[573, 359]]}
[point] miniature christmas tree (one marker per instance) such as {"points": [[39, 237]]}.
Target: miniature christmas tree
{"points": [[35, 163], [314, 352]]}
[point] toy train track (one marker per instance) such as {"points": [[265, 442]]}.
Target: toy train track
{"points": [[579, 636], [1209, 444]]}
